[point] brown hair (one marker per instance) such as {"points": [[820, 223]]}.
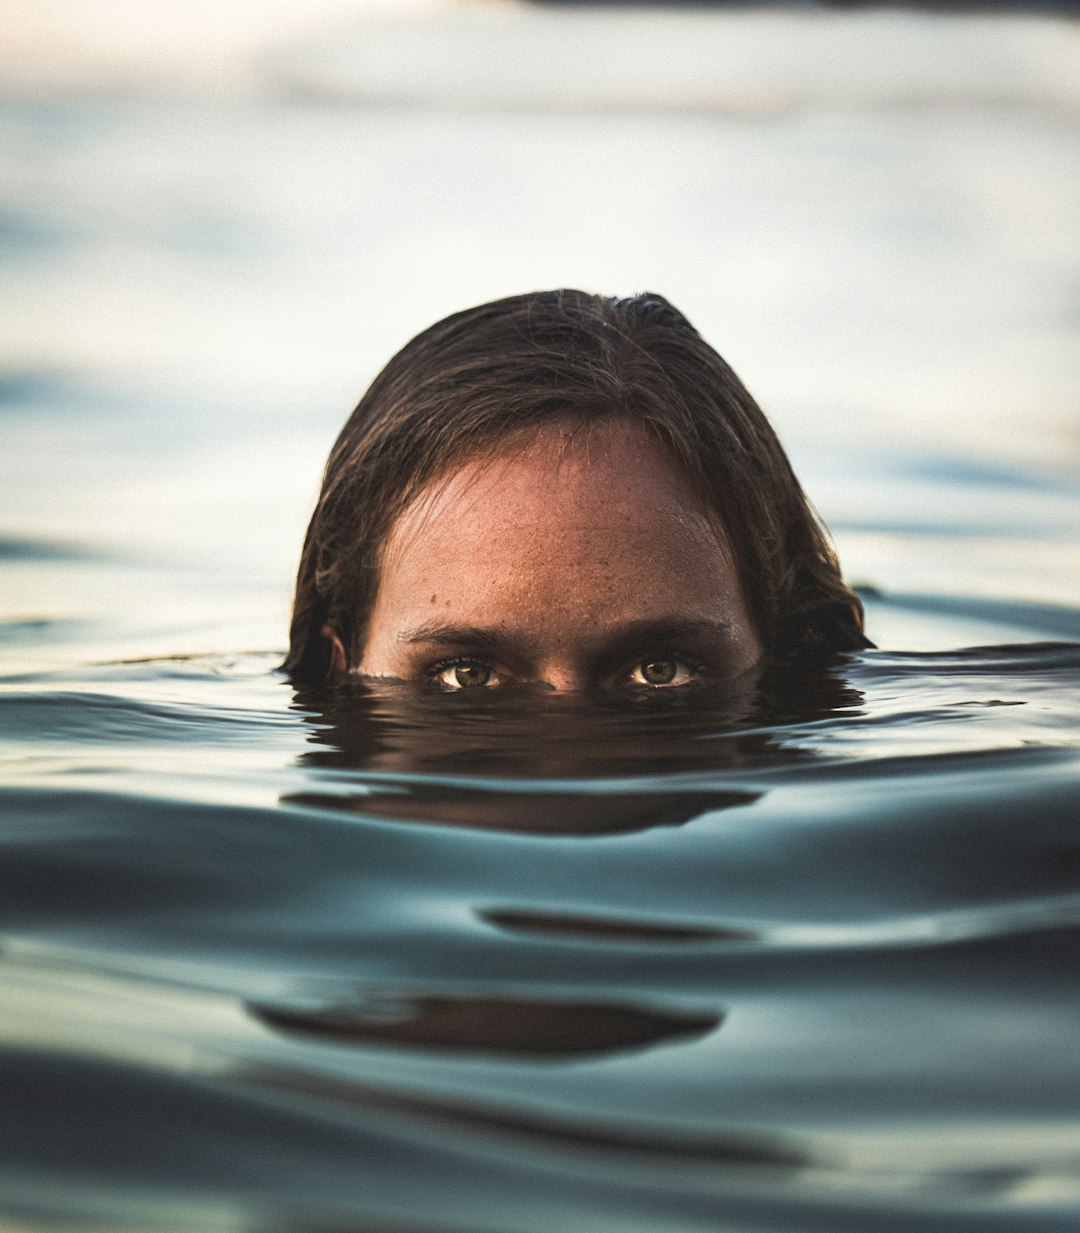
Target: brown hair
{"points": [[467, 383]]}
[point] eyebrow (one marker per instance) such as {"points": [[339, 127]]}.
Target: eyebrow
{"points": [[442, 633], [617, 640]]}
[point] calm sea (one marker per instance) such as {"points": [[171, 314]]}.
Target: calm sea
{"points": [[798, 955]]}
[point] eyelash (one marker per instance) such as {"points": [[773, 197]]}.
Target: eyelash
{"points": [[433, 671], [690, 662]]}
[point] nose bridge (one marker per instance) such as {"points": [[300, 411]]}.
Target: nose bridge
{"points": [[566, 646], [564, 679], [564, 672]]}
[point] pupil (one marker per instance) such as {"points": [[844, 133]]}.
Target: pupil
{"points": [[471, 674], [659, 671]]}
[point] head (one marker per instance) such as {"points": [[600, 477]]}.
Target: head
{"points": [[541, 462]]}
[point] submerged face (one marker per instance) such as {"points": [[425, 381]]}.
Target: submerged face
{"points": [[575, 560]]}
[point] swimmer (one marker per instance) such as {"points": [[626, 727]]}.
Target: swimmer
{"points": [[563, 491]]}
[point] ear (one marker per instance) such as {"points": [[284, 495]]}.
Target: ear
{"points": [[338, 668]]}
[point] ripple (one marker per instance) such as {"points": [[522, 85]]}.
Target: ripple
{"points": [[603, 928], [499, 1025]]}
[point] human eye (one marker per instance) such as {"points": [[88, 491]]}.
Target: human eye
{"points": [[462, 672], [664, 671]]}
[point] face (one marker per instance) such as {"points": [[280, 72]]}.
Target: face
{"points": [[575, 560]]}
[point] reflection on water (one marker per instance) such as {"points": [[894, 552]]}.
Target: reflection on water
{"points": [[493, 1025], [436, 740]]}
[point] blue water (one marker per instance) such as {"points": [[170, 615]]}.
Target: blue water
{"points": [[797, 955], [801, 955]]}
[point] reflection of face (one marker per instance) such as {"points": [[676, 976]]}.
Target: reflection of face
{"points": [[577, 560]]}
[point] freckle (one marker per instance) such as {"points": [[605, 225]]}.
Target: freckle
{"points": [[433, 599]]}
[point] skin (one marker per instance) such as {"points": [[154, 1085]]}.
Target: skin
{"points": [[575, 560]]}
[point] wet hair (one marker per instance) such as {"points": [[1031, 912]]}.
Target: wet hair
{"points": [[468, 384]]}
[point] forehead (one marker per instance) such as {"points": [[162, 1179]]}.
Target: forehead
{"points": [[610, 475], [559, 544]]}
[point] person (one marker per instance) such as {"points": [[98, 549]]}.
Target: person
{"points": [[565, 491]]}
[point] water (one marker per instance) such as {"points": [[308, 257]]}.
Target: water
{"points": [[796, 955]]}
